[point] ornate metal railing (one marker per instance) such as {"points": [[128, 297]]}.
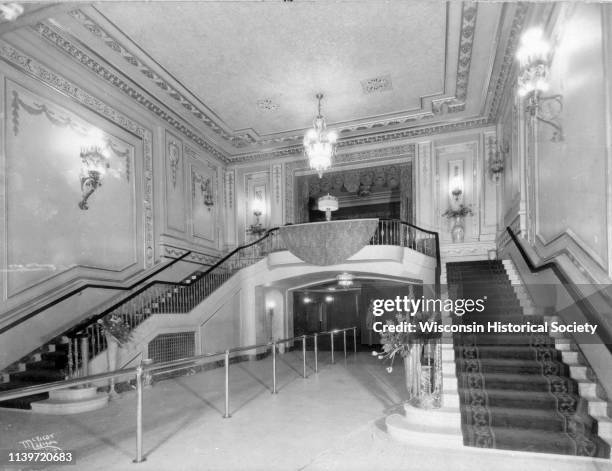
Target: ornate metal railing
{"points": [[87, 339]]}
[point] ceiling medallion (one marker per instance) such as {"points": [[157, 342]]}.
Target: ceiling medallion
{"points": [[377, 84], [267, 104], [319, 143]]}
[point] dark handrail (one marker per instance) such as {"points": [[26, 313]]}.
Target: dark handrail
{"points": [[81, 325], [581, 302], [90, 285]]}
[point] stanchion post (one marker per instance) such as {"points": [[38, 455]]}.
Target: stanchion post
{"points": [[84, 354], [304, 356], [274, 367], [227, 406], [344, 342], [331, 336], [316, 353], [355, 339], [139, 457]]}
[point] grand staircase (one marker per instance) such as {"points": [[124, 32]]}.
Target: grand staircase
{"points": [[61, 357], [515, 391]]}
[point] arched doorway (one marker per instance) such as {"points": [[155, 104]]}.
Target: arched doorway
{"points": [[327, 306]]}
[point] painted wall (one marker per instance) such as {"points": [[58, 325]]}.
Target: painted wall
{"points": [[558, 193], [431, 179], [159, 195]]}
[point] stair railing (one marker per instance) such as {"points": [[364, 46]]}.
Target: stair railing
{"points": [[589, 311], [405, 234], [166, 297]]}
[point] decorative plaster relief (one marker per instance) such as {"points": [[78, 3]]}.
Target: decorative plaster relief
{"points": [[276, 176], [406, 151], [230, 177], [498, 88], [174, 158], [114, 79], [43, 171], [38, 71], [171, 91]]}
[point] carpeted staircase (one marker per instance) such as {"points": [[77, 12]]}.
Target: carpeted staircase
{"points": [[45, 366], [515, 391]]}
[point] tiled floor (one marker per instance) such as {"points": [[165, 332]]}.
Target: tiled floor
{"points": [[330, 421]]}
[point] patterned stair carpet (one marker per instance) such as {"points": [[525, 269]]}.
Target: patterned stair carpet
{"points": [[515, 391]]}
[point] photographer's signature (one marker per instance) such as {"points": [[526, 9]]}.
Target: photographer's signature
{"points": [[41, 442]]}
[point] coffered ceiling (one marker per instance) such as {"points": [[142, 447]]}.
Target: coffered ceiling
{"points": [[245, 74]]}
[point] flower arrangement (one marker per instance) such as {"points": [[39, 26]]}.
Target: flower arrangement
{"points": [[394, 343], [459, 212], [116, 327]]}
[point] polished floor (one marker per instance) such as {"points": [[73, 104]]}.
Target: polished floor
{"points": [[333, 420]]}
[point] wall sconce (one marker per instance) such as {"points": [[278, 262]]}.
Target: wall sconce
{"points": [[10, 11], [93, 167], [257, 228], [329, 299], [496, 159], [456, 186], [205, 187], [534, 62]]}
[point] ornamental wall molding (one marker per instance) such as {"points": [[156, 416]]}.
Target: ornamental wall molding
{"points": [[94, 28], [198, 257], [381, 138], [499, 86], [39, 72], [382, 156], [450, 104], [455, 104], [113, 78]]}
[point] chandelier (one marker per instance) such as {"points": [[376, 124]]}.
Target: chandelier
{"points": [[319, 143]]}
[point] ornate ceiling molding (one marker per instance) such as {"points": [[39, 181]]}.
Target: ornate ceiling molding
{"points": [[171, 91], [452, 104], [381, 138], [35, 69], [113, 78], [455, 104], [499, 87]]}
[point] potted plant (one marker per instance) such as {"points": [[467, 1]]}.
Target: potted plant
{"points": [[401, 344], [458, 213], [117, 333]]}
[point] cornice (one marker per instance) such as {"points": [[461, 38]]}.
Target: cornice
{"points": [[381, 138], [452, 104], [498, 88], [171, 91], [115, 79], [455, 104]]}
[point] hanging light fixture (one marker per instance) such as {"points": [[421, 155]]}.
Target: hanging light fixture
{"points": [[319, 143]]}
